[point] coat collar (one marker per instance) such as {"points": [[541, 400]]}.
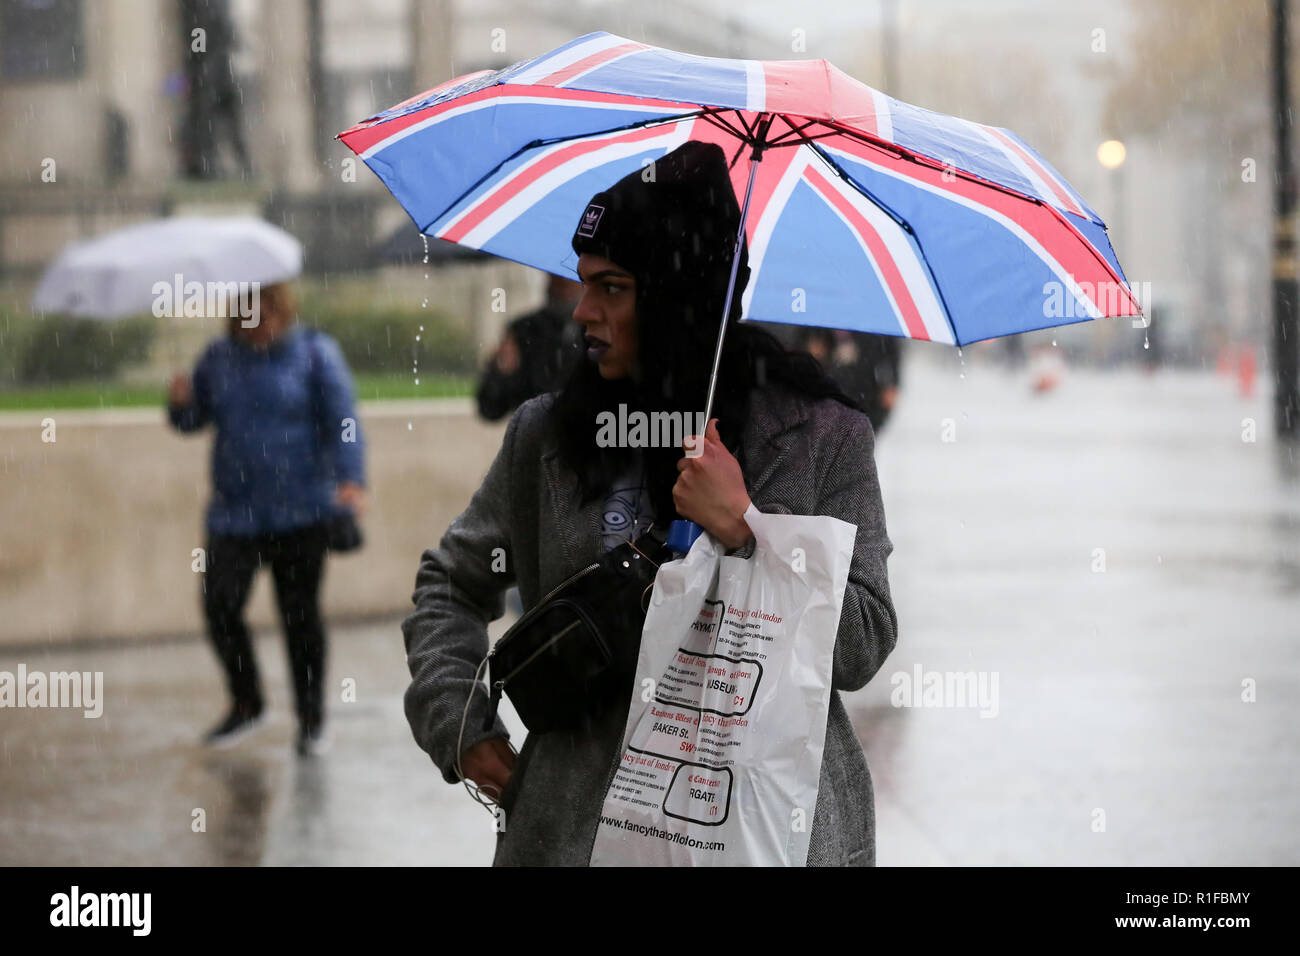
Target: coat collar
{"points": [[775, 415]]}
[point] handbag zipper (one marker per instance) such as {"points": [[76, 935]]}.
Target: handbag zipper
{"points": [[533, 611], [498, 686], [529, 659]]}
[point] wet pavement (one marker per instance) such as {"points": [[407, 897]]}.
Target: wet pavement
{"points": [[1120, 734]]}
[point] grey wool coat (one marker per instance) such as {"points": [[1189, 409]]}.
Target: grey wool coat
{"points": [[798, 457]]}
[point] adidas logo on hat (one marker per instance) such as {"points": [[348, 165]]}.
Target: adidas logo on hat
{"points": [[590, 220]]}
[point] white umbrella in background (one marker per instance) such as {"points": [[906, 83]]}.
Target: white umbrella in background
{"points": [[124, 272]]}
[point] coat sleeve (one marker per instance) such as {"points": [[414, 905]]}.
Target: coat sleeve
{"points": [[850, 491], [335, 405], [192, 417], [458, 590]]}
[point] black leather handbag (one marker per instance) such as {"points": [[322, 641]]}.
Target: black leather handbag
{"points": [[575, 652], [342, 533]]}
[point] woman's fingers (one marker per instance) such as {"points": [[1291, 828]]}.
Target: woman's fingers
{"points": [[503, 751], [484, 764]]}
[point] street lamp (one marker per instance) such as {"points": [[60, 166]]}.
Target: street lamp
{"points": [[1111, 155]]}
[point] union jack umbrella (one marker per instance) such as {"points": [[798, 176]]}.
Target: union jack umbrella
{"points": [[860, 212]]}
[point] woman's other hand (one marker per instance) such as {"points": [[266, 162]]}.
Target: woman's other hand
{"points": [[489, 764], [710, 489], [180, 391], [352, 496]]}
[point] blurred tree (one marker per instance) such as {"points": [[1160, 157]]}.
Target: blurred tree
{"points": [[1195, 84], [1200, 68], [1021, 94], [65, 349]]}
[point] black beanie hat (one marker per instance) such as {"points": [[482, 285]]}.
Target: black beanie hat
{"points": [[672, 225]]}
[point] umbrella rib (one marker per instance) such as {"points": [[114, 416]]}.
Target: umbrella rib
{"points": [[717, 120], [899, 152], [981, 181], [795, 131]]}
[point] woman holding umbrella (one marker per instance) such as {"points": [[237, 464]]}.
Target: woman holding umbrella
{"points": [[654, 258]]}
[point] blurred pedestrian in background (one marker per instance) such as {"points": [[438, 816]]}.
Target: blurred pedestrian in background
{"points": [[867, 366], [534, 353], [287, 462], [213, 113]]}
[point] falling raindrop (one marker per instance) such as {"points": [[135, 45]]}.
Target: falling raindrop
{"points": [[408, 426], [1053, 343], [424, 304]]}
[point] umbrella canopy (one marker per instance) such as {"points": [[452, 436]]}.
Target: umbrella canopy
{"points": [[114, 275], [861, 212]]}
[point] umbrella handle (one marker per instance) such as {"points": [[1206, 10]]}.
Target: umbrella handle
{"points": [[682, 534]]}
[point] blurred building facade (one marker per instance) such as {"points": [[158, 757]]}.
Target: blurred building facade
{"points": [[104, 102], [100, 103]]}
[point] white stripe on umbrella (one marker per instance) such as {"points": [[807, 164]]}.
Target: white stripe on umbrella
{"points": [[547, 66], [903, 276], [1049, 188], [884, 118], [618, 146], [755, 86], [760, 237], [492, 101], [599, 62]]}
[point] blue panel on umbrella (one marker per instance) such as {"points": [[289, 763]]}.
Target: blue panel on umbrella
{"points": [[540, 235], [991, 282], [687, 79], [814, 251], [431, 168]]}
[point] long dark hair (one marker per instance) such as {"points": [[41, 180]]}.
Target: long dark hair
{"points": [[677, 324]]}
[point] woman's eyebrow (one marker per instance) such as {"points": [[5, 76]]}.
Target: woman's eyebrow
{"points": [[615, 273]]}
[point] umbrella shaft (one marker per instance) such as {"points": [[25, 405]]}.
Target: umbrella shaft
{"points": [[731, 288]]}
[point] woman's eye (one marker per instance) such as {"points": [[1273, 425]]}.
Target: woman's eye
{"points": [[611, 289]]}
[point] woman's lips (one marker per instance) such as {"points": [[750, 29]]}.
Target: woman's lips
{"points": [[596, 348]]}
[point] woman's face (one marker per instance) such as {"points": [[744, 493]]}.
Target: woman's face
{"points": [[607, 314]]}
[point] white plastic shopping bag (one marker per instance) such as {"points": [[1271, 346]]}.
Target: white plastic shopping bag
{"points": [[723, 747]]}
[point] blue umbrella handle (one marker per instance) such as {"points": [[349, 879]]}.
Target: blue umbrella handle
{"points": [[682, 534]]}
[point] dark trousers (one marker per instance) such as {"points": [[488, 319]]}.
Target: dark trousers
{"points": [[297, 560]]}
